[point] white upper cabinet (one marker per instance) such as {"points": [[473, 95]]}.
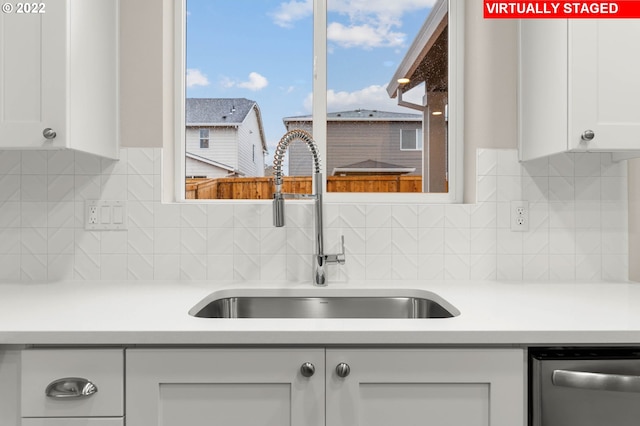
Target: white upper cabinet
{"points": [[578, 86], [59, 78]]}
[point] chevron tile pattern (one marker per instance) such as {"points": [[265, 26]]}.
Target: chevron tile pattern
{"points": [[577, 230]]}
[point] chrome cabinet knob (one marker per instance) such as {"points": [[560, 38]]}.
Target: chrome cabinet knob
{"points": [[70, 387], [307, 369], [48, 133], [588, 135], [343, 370]]}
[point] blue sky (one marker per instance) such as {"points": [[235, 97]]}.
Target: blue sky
{"points": [[262, 50]]}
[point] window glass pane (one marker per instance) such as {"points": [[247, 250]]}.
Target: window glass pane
{"points": [[374, 142], [409, 140], [248, 65], [204, 138]]}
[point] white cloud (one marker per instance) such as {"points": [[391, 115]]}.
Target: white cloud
{"points": [[292, 11], [256, 82], [382, 9], [364, 36], [372, 97], [369, 23], [196, 78]]}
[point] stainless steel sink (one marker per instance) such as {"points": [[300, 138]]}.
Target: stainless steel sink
{"points": [[317, 306]]}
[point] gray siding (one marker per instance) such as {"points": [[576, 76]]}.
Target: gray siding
{"points": [[300, 160], [351, 142]]}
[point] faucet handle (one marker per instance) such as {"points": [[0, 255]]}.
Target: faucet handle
{"points": [[337, 258]]}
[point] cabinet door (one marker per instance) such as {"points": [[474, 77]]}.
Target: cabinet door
{"points": [[33, 55], [436, 386], [226, 387], [604, 85]]}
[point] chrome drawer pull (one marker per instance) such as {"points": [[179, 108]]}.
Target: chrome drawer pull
{"points": [[71, 387], [596, 381]]}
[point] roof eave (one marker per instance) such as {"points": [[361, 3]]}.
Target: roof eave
{"points": [[433, 26]]}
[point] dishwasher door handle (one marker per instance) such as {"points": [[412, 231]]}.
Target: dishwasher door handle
{"points": [[596, 381]]}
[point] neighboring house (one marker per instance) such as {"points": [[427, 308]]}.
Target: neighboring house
{"points": [[362, 142], [224, 137]]}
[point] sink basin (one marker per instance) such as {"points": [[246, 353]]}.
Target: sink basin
{"points": [[343, 304]]}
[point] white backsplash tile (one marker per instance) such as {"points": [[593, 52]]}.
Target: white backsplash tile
{"points": [[10, 214], [457, 266], [378, 241], [483, 266], [10, 188], [431, 267], [166, 266], [61, 163], [486, 188], [34, 267], [10, 163], [193, 267], [34, 162], [113, 267], [404, 266], [577, 229], [139, 266], [486, 162]]}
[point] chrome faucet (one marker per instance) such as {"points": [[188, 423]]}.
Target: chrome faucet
{"points": [[320, 259]]}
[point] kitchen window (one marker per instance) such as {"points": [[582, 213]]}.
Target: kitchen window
{"points": [[311, 37]]}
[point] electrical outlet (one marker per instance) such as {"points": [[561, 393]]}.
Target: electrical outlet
{"points": [[519, 216], [92, 215]]}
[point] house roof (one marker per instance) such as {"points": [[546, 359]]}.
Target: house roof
{"points": [[426, 59], [217, 111], [372, 166], [223, 112], [360, 115], [212, 163]]}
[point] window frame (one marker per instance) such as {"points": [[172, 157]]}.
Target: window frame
{"points": [[173, 157], [208, 138], [419, 144]]}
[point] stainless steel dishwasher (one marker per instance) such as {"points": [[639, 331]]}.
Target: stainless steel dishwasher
{"points": [[584, 387]]}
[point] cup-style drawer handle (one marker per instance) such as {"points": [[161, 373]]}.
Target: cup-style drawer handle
{"points": [[71, 387]]}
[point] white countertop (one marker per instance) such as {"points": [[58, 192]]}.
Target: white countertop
{"points": [[156, 313]]}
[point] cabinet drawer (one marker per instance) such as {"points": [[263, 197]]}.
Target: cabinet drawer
{"points": [[76, 421], [102, 367]]}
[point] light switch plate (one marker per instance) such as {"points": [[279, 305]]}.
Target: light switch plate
{"points": [[105, 215]]}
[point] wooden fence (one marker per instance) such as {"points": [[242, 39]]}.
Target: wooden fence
{"points": [[256, 188]]}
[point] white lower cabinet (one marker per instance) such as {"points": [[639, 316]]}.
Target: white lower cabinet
{"points": [[454, 387], [72, 387], [227, 387], [73, 421], [348, 387]]}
